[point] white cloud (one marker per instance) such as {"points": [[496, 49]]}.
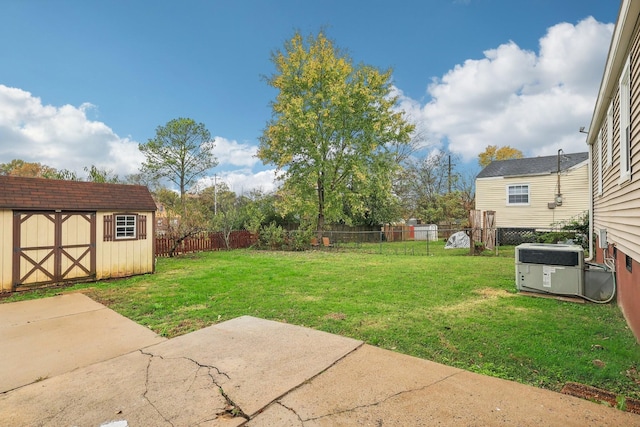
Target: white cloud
{"points": [[535, 102], [65, 138], [234, 153], [60, 137]]}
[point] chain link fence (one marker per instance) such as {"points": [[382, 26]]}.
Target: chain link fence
{"points": [[432, 243]]}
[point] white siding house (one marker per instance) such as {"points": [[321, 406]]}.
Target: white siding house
{"points": [[535, 192]]}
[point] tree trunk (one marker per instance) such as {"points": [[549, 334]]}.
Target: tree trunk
{"points": [[320, 208], [227, 234], [176, 243]]}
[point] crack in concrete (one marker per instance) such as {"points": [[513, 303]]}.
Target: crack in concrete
{"points": [[146, 387], [369, 405], [230, 409], [278, 400], [51, 419], [293, 411]]}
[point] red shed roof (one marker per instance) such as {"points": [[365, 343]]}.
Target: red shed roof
{"points": [[48, 194]]}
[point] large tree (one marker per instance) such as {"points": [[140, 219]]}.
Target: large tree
{"points": [[332, 129], [181, 152], [493, 152], [18, 167]]}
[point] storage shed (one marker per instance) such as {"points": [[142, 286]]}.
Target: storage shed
{"points": [[54, 231]]}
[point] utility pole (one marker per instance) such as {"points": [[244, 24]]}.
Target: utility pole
{"points": [[449, 173], [215, 194]]}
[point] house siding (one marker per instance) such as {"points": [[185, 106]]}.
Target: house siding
{"points": [[491, 194], [617, 209]]}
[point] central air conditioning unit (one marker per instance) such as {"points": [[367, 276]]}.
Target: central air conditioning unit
{"points": [[550, 268]]}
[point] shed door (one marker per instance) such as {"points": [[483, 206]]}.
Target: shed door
{"points": [[53, 247]]}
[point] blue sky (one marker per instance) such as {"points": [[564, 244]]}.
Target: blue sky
{"points": [[82, 82]]}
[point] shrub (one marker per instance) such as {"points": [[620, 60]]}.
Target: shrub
{"points": [[272, 236], [300, 240]]}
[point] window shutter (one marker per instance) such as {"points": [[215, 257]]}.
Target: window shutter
{"points": [[142, 227], [108, 228]]}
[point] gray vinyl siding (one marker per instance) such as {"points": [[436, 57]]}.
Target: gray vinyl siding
{"points": [[618, 208]]}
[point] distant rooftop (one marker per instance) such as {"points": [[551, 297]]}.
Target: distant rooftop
{"points": [[532, 165]]}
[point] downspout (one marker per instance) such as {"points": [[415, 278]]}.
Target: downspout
{"points": [[590, 178]]}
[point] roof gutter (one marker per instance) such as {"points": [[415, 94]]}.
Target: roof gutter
{"points": [[618, 50]]}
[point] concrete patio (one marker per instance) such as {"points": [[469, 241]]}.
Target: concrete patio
{"points": [[68, 360]]}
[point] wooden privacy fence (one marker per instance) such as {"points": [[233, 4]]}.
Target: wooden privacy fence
{"points": [[205, 242], [482, 229], [397, 233]]}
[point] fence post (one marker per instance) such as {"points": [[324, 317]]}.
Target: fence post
{"points": [[489, 230], [475, 218]]}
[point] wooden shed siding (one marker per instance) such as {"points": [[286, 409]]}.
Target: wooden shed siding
{"points": [[618, 209], [121, 258], [6, 250], [113, 258], [491, 195]]}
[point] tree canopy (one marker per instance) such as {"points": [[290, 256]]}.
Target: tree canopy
{"points": [[332, 131], [492, 152], [181, 152], [18, 167]]}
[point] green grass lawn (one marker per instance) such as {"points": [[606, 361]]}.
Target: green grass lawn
{"points": [[439, 305]]}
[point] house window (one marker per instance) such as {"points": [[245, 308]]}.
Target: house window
{"points": [[610, 134], [518, 194], [125, 226], [625, 124]]}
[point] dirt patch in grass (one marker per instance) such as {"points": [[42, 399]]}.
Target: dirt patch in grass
{"points": [[335, 316], [494, 293], [185, 326], [487, 295], [188, 308], [598, 395], [446, 343]]}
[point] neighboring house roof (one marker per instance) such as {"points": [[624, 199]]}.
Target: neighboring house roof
{"points": [[532, 165], [47, 194]]}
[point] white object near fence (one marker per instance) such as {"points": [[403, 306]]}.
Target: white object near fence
{"points": [[458, 240], [426, 232]]}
